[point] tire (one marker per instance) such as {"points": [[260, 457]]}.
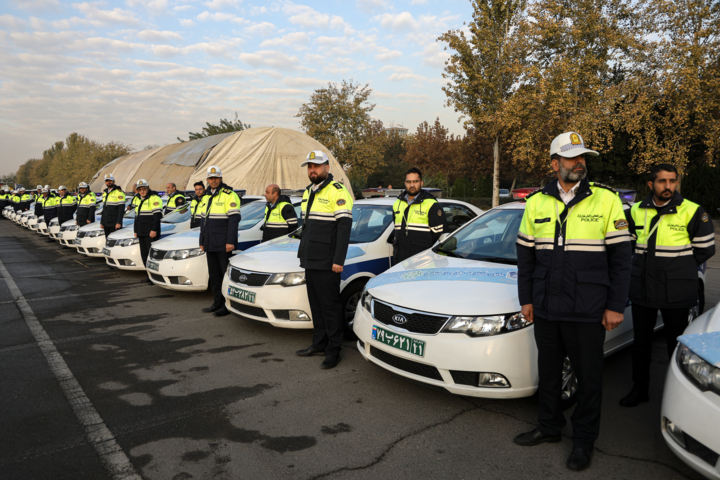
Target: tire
{"points": [[350, 300], [568, 396]]}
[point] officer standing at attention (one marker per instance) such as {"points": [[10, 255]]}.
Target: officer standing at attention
{"points": [[24, 200], [49, 206], [39, 197], [148, 213], [113, 206], [4, 198], [218, 234], [327, 222], [197, 205], [86, 205], [419, 218], [280, 216], [66, 205], [573, 252], [673, 237], [175, 199]]}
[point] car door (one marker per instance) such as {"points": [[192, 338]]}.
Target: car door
{"points": [[456, 215]]}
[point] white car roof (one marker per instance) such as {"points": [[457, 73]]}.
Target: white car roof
{"points": [[391, 200]]}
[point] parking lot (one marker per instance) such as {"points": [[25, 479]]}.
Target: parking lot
{"points": [[107, 377]]}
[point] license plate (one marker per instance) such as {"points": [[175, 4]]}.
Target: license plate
{"points": [[153, 266], [106, 252], [401, 342], [241, 294]]}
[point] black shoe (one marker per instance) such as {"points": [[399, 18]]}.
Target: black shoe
{"points": [[635, 397], [211, 309], [535, 437], [309, 352], [330, 362], [222, 312], [579, 459]]}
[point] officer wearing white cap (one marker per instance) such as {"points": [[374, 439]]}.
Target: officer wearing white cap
{"points": [[25, 199], [148, 213], [38, 193], [38, 197], [327, 221], [66, 205], [86, 205], [49, 206], [218, 234], [113, 206], [573, 250]]}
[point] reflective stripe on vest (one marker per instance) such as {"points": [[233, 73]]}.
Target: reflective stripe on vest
{"points": [[276, 220], [329, 204], [415, 215], [148, 206], [671, 235]]}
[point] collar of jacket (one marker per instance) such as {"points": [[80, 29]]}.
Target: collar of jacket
{"points": [[324, 184], [552, 190], [114, 187], [422, 195], [150, 193], [671, 207], [218, 190]]}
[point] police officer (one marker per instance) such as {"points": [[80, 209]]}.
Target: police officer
{"points": [[327, 221], [86, 205], [148, 213], [218, 234], [49, 206], [280, 216], [37, 197], [573, 251], [134, 194], [673, 237], [419, 218], [175, 199], [4, 198], [113, 206], [24, 199], [197, 205], [66, 205]]}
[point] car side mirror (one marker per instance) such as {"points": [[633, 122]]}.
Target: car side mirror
{"points": [[443, 237]]}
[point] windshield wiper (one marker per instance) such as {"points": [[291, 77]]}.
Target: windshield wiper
{"points": [[440, 251], [508, 261]]}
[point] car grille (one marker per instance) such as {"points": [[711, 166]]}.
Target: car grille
{"points": [[465, 378], [157, 278], [157, 254], [248, 310], [80, 234], [417, 322], [251, 279], [110, 243], [406, 365]]}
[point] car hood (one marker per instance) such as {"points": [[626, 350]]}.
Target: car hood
{"points": [[179, 241], [703, 336], [424, 281], [68, 223], [123, 233], [96, 225]]}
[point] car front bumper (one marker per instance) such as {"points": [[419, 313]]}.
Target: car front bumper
{"points": [[454, 360], [170, 274], [125, 258], [91, 246]]}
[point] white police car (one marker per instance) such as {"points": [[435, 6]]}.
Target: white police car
{"points": [[690, 418], [449, 316], [69, 229], [266, 282], [90, 239], [177, 263], [26, 216]]}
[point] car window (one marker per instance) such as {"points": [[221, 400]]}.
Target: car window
{"points": [[369, 222], [178, 216], [298, 212], [251, 214], [457, 215], [490, 237]]}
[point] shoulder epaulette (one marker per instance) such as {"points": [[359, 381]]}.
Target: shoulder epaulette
{"points": [[602, 185], [533, 193], [337, 185], [227, 190]]}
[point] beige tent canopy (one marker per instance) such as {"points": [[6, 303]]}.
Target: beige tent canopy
{"points": [[123, 169], [254, 158]]}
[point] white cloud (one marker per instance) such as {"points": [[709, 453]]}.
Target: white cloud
{"points": [[222, 4], [371, 6], [226, 71], [222, 17], [153, 7], [157, 36], [186, 22], [397, 22], [296, 40], [41, 6], [385, 54], [155, 65], [182, 8], [418, 2], [303, 82], [398, 77], [99, 17], [263, 29], [8, 22], [433, 55], [396, 69], [312, 19], [258, 10], [411, 96], [270, 58]]}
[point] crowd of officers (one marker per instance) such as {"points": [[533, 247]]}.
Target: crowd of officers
{"points": [[576, 268]]}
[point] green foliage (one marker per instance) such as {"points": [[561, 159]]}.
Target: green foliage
{"points": [[225, 126], [463, 187], [700, 185], [484, 187], [8, 178]]}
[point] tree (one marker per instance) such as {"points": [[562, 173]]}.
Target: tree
{"points": [[338, 117], [434, 151], [8, 178], [484, 68], [225, 126]]}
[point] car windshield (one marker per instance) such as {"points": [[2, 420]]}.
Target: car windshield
{"points": [[178, 216], [251, 214], [369, 222], [491, 237]]}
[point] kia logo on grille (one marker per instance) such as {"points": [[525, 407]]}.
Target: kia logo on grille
{"points": [[243, 278], [399, 319]]}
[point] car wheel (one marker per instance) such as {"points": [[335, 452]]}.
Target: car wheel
{"points": [[350, 300], [568, 394]]}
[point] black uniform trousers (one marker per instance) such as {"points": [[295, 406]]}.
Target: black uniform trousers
{"points": [[109, 230], [323, 288], [145, 242], [217, 263], [644, 320], [583, 344]]}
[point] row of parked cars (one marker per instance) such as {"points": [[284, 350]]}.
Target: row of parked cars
{"points": [[447, 317]]}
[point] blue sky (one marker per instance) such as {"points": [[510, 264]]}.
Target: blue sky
{"points": [[145, 72]]}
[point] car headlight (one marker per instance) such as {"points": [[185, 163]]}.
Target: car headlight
{"points": [[486, 325], [72, 228], [366, 301], [95, 233], [127, 242], [287, 279], [182, 254], [698, 371]]}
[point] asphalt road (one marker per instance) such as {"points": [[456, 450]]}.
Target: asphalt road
{"points": [[105, 377]]}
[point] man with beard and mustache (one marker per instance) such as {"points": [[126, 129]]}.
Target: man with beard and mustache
{"points": [[574, 254], [673, 237], [327, 216]]}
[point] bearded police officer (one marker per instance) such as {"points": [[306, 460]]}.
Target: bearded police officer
{"points": [[148, 213], [280, 216], [673, 237], [218, 234], [419, 218], [197, 205], [113, 206], [573, 252], [86, 205], [327, 221], [175, 199]]}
